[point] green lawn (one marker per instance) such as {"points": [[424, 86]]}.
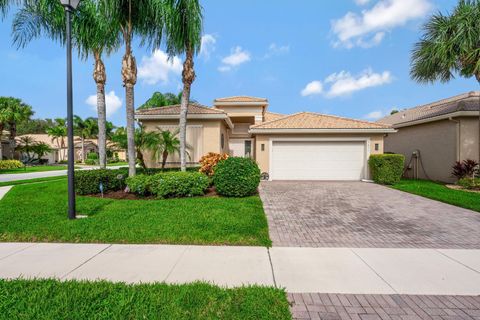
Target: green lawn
{"points": [[33, 169], [437, 191], [51, 299], [37, 212], [114, 164]]}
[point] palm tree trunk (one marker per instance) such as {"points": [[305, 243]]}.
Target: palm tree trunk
{"points": [[13, 134], [164, 159], [100, 77], [129, 74], [188, 76], [141, 159], [83, 148]]}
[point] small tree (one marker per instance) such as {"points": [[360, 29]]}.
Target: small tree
{"points": [[58, 133], [169, 144]]}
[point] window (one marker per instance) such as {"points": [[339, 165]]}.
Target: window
{"points": [[222, 141], [377, 147], [248, 148], [262, 146]]}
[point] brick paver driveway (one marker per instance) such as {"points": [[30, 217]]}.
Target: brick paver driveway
{"points": [[358, 214]]}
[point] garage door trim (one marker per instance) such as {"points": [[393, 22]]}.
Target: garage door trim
{"points": [[366, 140]]}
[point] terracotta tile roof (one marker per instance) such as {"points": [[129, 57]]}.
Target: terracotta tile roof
{"points": [[310, 120], [193, 108], [464, 102], [269, 116], [241, 99]]}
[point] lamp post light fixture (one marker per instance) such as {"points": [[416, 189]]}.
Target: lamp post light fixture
{"points": [[70, 5]]}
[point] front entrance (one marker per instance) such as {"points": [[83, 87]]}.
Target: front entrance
{"points": [[241, 148]]}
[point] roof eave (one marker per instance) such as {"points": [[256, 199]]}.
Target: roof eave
{"points": [[299, 130], [219, 116], [437, 118]]}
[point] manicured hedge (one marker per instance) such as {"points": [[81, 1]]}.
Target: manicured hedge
{"points": [[88, 181], [386, 168], [169, 184], [10, 164], [236, 177]]}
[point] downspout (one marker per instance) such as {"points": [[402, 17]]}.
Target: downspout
{"points": [[458, 137]]}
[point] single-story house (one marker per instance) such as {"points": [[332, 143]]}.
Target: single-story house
{"points": [[301, 146], [435, 135], [59, 149]]}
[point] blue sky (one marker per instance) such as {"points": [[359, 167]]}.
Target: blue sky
{"points": [[348, 58]]}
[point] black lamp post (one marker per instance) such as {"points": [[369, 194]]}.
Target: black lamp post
{"points": [[70, 6]]}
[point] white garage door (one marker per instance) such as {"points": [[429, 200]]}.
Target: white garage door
{"points": [[318, 160]]}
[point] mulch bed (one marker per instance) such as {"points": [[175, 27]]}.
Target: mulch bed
{"points": [[122, 195]]}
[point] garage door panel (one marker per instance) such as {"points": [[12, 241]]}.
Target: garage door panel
{"points": [[318, 160]]}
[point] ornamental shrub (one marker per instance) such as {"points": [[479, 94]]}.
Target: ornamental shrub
{"points": [[465, 169], [10, 164], [470, 183], [236, 177], [386, 168], [88, 181], [92, 156], [209, 161], [140, 184], [178, 184]]}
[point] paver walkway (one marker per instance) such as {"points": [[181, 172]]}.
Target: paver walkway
{"points": [[359, 214], [321, 270], [383, 307]]}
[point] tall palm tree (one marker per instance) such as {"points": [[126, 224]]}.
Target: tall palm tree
{"points": [[450, 45], [184, 35], [92, 35], [144, 18], [169, 144], [85, 129], [58, 133], [13, 111]]}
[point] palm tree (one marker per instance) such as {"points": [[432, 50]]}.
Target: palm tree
{"points": [[13, 111], [144, 18], [449, 45], [29, 148], [92, 33], [86, 129], [169, 144], [58, 133], [184, 34]]}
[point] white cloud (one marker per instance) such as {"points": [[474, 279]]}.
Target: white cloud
{"points": [[374, 115], [369, 26], [158, 68], [312, 88], [208, 45], [343, 83], [275, 49], [112, 101], [237, 57]]}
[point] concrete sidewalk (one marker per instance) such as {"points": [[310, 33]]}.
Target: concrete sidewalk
{"points": [[321, 270]]}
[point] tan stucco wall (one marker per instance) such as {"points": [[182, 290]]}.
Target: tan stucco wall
{"points": [[210, 131], [263, 157], [469, 138], [437, 143]]}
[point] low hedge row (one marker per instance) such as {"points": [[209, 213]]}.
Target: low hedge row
{"points": [[10, 164], [88, 181], [169, 184], [386, 168]]}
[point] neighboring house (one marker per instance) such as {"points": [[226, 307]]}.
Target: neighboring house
{"points": [[443, 132], [302, 146], [60, 153]]}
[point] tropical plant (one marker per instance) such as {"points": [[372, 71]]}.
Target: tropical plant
{"points": [[85, 129], [144, 141], [465, 169], [169, 144], [13, 111], [144, 18], [93, 35], [449, 45], [58, 133], [236, 177], [184, 34], [31, 149], [32, 126], [209, 161]]}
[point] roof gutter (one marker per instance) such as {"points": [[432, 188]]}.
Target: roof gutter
{"points": [[300, 131], [446, 116], [220, 116]]}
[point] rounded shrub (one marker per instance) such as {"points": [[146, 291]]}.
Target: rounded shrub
{"points": [[178, 184], [88, 181], [236, 177], [386, 168], [140, 184], [10, 164]]}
